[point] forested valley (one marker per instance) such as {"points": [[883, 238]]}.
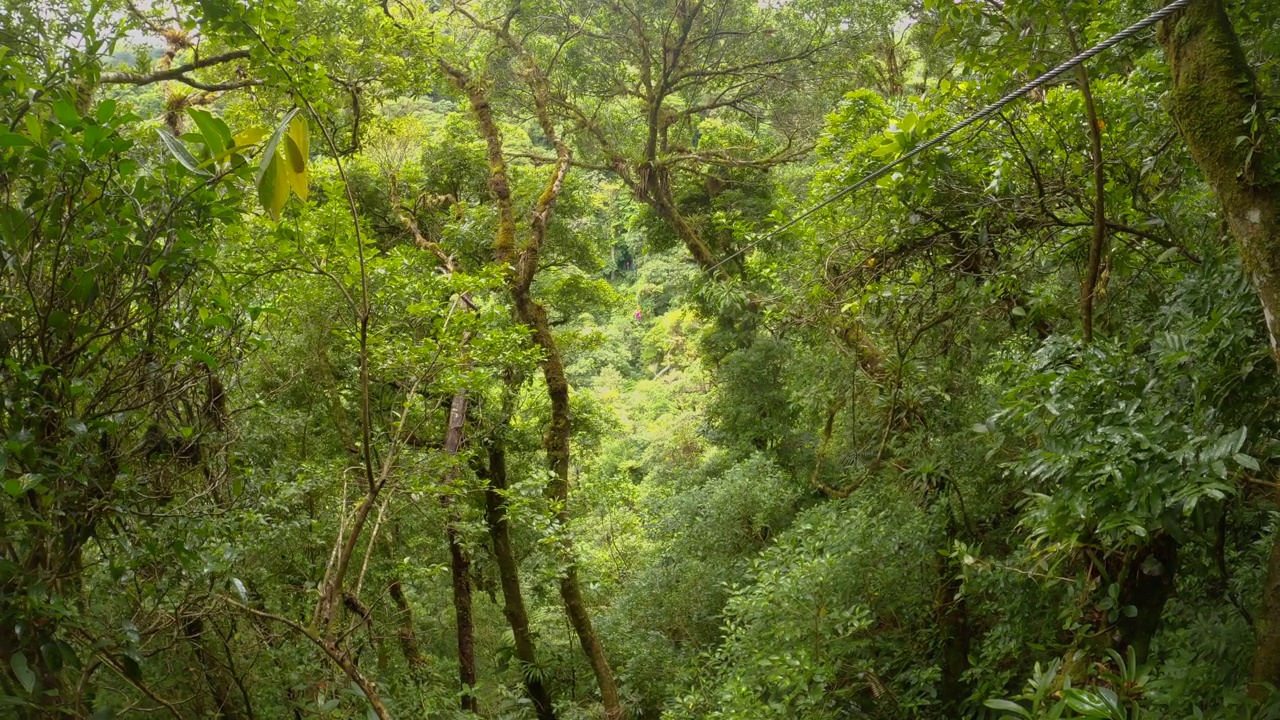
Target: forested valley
{"points": [[640, 359]]}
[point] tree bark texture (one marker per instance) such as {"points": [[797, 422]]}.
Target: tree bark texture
{"points": [[1214, 100], [522, 268], [496, 519], [460, 563], [1098, 241]]}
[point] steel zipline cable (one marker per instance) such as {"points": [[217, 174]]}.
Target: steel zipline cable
{"points": [[984, 114]]}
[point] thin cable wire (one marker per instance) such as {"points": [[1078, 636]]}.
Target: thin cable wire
{"points": [[982, 115]]}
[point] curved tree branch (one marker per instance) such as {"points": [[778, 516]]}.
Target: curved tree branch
{"points": [[179, 73]]}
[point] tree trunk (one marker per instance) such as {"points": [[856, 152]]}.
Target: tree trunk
{"points": [[522, 268], [460, 564], [657, 193], [1266, 657], [556, 443], [1214, 99], [1098, 242], [408, 636], [1147, 586], [495, 517]]}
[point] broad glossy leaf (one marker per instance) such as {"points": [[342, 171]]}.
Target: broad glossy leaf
{"points": [[241, 141], [1246, 461], [106, 110], [34, 129], [273, 144], [8, 140], [52, 654], [66, 113], [213, 131], [1086, 703], [180, 152], [1007, 706], [22, 671]]}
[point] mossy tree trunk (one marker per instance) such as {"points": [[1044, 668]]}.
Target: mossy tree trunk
{"points": [[1216, 101], [523, 265], [460, 563], [513, 608]]}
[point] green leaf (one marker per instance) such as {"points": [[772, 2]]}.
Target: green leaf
{"points": [[84, 288], [1246, 461], [213, 131], [1085, 703], [22, 671], [204, 357], [68, 655], [180, 152], [8, 140], [66, 112], [1007, 706], [106, 110], [273, 144], [240, 141], [52, 654], [886, 149], [34, 129]]}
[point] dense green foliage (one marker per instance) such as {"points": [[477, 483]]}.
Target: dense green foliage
{"points": [[433, 360]]}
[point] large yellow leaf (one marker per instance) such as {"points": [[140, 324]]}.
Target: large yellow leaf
{"points": [[273, 172], [273, 186], [248, 136], [296, 166], [297, 144]]}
